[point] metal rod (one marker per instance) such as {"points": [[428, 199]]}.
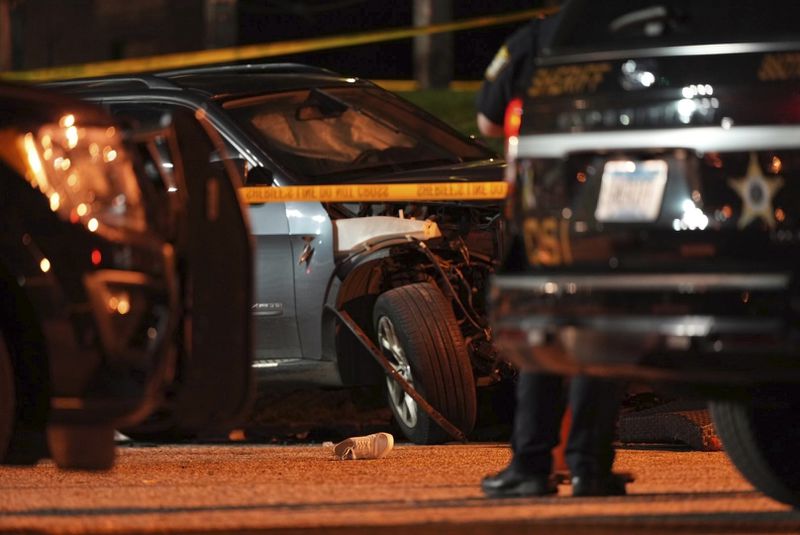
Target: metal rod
{"points": [[378, 355]]}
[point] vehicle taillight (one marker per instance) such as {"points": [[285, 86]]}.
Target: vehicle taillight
{"points": [[511, 126], [513, 118]]}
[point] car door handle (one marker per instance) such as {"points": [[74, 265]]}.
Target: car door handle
{"points": [[308, 251]]}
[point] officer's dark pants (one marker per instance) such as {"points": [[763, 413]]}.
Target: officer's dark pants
{"points": [[541, 402]]}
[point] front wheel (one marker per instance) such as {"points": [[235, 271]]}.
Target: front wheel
{"points": [[761, 434], [419, 335]]}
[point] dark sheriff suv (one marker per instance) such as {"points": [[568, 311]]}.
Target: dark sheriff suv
{"points": [[657, 215]]}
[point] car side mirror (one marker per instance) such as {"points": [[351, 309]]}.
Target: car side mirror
{"points": [[251, 176], [258, 176]]}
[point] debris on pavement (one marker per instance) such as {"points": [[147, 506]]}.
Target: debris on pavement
{"points": [[374, 446]]}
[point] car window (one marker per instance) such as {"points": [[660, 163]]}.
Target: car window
{"points": [[323, 133], [156, 115], [589, 24], [159, 164]]}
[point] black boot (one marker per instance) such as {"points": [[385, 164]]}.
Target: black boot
{"points": [[608, 485], [511, 483]]}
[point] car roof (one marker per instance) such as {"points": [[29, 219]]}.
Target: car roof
{"points": [[221, 82], [22, 102], [588, 26]]}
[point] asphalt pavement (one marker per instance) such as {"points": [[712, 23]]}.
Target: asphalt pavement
{"points": [[249, 488]]}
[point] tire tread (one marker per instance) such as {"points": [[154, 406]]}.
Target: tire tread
{"points": [[447, 364], [733, 423]]}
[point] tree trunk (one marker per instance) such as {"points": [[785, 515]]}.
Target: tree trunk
{"points": [[6, 59], [221, 23], [433, 54]]}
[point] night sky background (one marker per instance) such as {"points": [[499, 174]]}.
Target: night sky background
{"points": [[272, 21]]}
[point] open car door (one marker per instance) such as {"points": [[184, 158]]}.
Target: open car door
{"points": [[197, 206]]}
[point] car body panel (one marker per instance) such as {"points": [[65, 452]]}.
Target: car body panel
{"points": [[274, 310], [311, 235], [208, 228], [220, 268]]}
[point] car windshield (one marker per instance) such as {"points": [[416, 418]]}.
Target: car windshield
{"points": [[589, 24], [327, 133]]}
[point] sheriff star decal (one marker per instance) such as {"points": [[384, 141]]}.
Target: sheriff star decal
{"points": [[757, 192]]}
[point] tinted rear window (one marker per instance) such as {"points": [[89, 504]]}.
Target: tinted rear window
{"points": [[608, 24]]}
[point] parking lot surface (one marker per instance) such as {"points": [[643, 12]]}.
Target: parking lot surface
{"points": [[283, 489]]}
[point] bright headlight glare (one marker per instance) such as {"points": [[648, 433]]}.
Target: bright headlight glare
{"points": [[73, 166]]}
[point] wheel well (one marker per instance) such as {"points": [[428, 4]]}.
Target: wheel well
{"points": [[357, 296], [22, 332]]}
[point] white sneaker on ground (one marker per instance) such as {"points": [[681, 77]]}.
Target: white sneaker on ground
{"points": [[374, 446]]}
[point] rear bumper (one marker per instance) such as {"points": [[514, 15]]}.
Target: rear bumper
{"points": [[701, 139], [710, 328]]}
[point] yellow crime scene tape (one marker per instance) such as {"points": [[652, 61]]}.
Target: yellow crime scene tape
{"points": [[434, 191], [259, 51]]}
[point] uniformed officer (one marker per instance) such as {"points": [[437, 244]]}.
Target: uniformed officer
{"points": [[512, 66], [542, 398]]}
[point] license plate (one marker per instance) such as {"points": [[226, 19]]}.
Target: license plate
{"points": [[631, 191]]}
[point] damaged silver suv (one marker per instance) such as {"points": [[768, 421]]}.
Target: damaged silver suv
{"points": [[410, 275]]}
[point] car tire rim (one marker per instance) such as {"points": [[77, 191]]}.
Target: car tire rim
{"points": [[403, 405]]}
